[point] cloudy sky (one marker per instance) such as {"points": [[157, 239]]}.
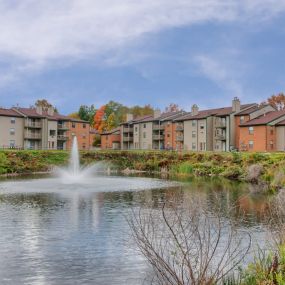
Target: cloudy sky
{"points": [[74, 52]]}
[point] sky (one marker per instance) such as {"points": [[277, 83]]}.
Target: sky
{"points": [[74, 52]]}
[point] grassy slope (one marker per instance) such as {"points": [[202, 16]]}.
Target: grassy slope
{"points": [[229, 165]]}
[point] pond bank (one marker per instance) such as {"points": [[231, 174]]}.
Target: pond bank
{"points": [[264, 169]]}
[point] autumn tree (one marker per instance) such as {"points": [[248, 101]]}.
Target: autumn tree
{"points": [[172, 108], [277, 101], [111, 122], [138, 111], [99, 119], [45, 104], [87, 113], [74, 115]]}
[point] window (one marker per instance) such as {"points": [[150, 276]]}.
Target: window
{"points": [[241, 119], [136, 129], [52, 145], [12, 131], [193, 146], [12, 143], [144, 135], [250, 144], [271, 131], [84, 126], [73, 125], [193, 134], [144, 126], [202, 127], [168, 135], [250, 130], [52, 133], [13, 120], [83, 136], [193, 123], [83, 145], [271, 144]]}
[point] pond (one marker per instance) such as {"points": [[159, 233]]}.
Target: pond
{"points": [[52, 232]]}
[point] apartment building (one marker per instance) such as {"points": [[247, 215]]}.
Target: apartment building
{"points": [[40, 128], [11, 129], [264, 133], [111, 139]]}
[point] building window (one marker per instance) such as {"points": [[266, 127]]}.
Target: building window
{"points": [[193, 123], [136, 129], [12, 131], [271, 144], [271, 131], [193, 134], [83, 145], [193, 146], [13, 120], [241, 119], [52, 133], [250, 130], [202, 127], [250, 144], [144, 135], [144, 126], [12, 143], [168, 135], [73, 125], [84, 136]]}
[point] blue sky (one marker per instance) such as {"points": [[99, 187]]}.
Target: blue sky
{"points": [[138, 52]]}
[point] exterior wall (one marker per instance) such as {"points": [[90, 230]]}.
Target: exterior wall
{"points": [[260, 112], [195, 135], [7, 139], [52, 135], [221, 134], [110, 141], [33, 132], [238, 121], [127, 136], [82, 133], [145, 134], [137, 141], [169, 135], [280, 138], [178, 144], [210, 133], [259, 138]]}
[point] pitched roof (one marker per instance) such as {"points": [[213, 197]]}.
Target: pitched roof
{"points": [[137, 120], [264, 119], [251, 109], [9, 112], [203, 114]]}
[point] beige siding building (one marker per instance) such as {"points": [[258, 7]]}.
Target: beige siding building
{"points": [[11, 129]]}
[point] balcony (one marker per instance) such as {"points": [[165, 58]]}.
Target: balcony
{"points": [[128, 130], [33, 136], [127, 139], [221, 137], [62, 138], [221, 125], [179, 128], [62, 127], [36, 125], [179, 138], [158, 137], [158, 127]]}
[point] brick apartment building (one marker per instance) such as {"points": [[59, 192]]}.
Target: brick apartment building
{"points": [[40, 128]]}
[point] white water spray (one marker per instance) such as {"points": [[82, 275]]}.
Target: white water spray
{"points": [[74, 163]]}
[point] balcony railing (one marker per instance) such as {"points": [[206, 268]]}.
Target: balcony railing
{"points": [[221, 125], [157, 137], [62, 127], [128, 130], [158, 127], [179, 138], [179, 128], [221, 137], [29, 124], [32, 136], [62, 138], [127, 139]]}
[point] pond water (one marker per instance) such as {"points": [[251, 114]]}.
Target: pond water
{"points": [[52, 232]]}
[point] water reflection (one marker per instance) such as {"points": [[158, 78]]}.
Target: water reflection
{"points": [[76, 237]]}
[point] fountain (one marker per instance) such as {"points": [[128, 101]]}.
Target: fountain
{"points": [[74, 164]]}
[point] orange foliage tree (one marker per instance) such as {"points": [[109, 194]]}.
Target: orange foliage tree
{"points": [[277, 101], [99, 122]]}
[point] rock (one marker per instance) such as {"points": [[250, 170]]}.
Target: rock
{"points": [[254, 172]]}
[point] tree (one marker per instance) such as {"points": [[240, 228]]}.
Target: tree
{"points": [[111, 122], [277, 101], [87, 113], [45, 104], [172, 108], [138, 111], [74, 115], [99, 122], [186, 244]]}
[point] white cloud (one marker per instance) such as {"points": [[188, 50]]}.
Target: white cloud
{"points": [[36, 34]]}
